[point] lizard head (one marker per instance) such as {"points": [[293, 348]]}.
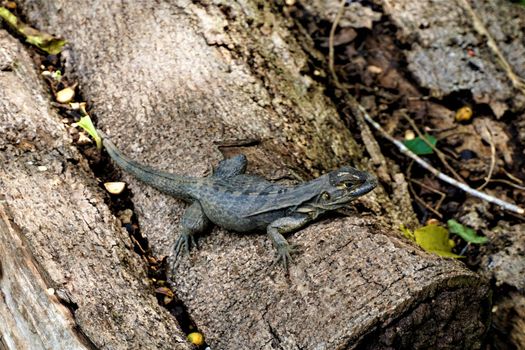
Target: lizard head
{"points": [[343, 186]]}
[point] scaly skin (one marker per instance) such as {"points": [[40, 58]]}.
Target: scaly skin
{"points": [[245, 203]]}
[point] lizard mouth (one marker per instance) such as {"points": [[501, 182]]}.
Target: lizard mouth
{"points": [[367, 185]]}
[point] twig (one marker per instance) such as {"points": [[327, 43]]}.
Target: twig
{"points": [[440, 154], [435, 172], [510, 183], [331, 40], [492, 158], [464, 249], [416, 196], [512, 177], [423, 203], [442, 195], [371, 146]]}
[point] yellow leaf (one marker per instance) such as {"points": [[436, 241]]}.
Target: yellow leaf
{"points": [[434, 239], [446, 254]]}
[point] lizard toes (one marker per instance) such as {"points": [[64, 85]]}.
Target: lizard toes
{"points": [[283, 256]]}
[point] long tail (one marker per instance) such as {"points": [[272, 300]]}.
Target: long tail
{"points": [[174, 185]]}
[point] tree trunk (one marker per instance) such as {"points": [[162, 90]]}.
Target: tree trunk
{"points": [[167, 82]]}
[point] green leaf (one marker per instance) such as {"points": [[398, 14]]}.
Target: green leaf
{"points": [[44, 41], [467, 233], [86, 124], [47, 43], [434, 239], [419, 146], [8, 17]]}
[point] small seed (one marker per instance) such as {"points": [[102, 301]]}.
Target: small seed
{"points": [[65, 95], [125, 216], [115, 187], [196, 338], [432, 222], [409, 135], [375, 69], [464, 114]]}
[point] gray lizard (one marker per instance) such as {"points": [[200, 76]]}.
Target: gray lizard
{"points": [[245, 203]]}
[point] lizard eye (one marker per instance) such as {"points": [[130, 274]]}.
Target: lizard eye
{"points": [[325, 196]]}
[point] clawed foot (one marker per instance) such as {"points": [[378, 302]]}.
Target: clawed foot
{"points": [[284, 251], [281, 226], [185, 240]]}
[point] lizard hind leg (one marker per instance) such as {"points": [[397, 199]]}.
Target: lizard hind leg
{"points": [[193, 222]]}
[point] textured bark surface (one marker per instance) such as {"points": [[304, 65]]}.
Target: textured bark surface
{"points": [[445, 50], [504, 263], [168, 101], [352, 286], [442, 33], [167, 80], [439, 46], [68, 278]]}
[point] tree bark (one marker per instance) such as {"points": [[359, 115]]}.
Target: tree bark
{"points": [[68, 279], [167, 81]]}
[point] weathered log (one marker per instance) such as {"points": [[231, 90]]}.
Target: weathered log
{"points": [[166, 81], [68, 278]]}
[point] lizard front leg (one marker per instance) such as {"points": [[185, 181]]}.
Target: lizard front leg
{"points": [[282, 226]]}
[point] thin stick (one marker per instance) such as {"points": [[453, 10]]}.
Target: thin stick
{"points": [[421, 201], [331, 40], [512, 177], [434, 171], [507, 182], [440, 154], [411, 188], [414, 194], [372, 146], [442, 195]]}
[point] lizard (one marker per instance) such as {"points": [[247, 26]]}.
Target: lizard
{"points": [[245, 203]]}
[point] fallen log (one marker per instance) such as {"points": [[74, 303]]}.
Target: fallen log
{"points": [[166, 81]]}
